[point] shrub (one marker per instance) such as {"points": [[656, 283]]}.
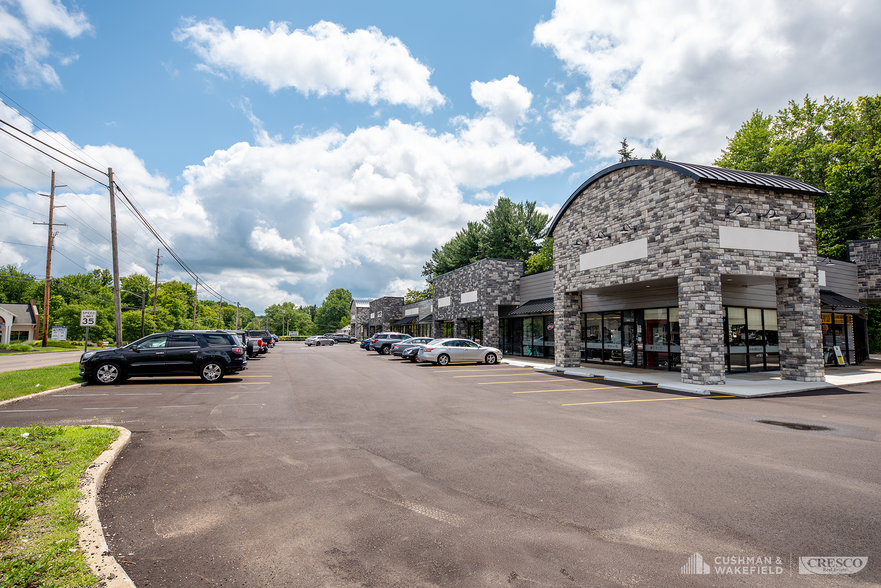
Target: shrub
{"points": [[20, 347], [4, 346]]}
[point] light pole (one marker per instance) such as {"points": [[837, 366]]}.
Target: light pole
{"points": [[283, 328]]}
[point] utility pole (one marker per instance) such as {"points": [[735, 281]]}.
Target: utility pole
{"points": [[117, 300], [52, 208], [237, 316], [284, 331], [220, 314], [195, 302], [155, 290]]}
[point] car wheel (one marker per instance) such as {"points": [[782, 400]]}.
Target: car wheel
{"points": [[413, 359], [386, 349], [211, 371], [490, 358], [443, 359], [107, 373]]}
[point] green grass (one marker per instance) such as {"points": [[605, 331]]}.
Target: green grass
{"points": [[39, 477], [22, 382], [36, 347]]}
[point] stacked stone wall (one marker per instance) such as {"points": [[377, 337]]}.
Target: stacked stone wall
{"points": [[867, 255], [385, 311], [496, 281], [680, 219]]}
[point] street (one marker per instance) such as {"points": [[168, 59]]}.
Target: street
{"points": [[338, 467]]}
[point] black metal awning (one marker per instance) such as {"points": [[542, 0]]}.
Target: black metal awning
{"points": [[830, 298], [537, 306], [427, 319], [407, 321]]}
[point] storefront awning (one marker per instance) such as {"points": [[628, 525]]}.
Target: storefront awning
{"points": [[426, 319], [830, 298], [407, 321], [537, 306]]}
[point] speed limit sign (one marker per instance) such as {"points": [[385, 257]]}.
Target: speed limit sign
{"points": [[88, 318]]}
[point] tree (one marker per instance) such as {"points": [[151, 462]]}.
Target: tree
{"points": [[336, 305], [18, 287], [543, 260], [418, 295], [625, 152], [658, 155]]}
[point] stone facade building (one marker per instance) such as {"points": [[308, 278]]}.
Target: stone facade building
{"points": [[359, 315], [467, 300], [383, 313], [866, 254], [644, 232]]}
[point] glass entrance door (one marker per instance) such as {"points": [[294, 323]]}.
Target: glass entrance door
{"points": [[628, 343]]}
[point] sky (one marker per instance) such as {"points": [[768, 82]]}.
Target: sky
{"points": [[287, 148]]}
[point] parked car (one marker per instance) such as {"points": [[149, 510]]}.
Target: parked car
{"points": [[399, 348], [263, 336], [383, 342], [446, 351], [319, 340], [274, 338], [207, 354], [365, 344], [412, 353], [341, 338], [251, 345]]}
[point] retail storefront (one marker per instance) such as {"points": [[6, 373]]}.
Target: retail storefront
{"points": [[705, 271]]}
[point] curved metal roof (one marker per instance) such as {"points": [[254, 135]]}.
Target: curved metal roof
{"points": [[702, 173]]}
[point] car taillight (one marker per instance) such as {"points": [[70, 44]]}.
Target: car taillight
{"points": [[429, 348], [237, 350]]}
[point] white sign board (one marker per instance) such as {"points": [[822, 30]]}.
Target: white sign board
{"points": [[88, 318], [293, 333], [59, 334]]}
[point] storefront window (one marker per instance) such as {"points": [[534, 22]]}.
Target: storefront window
{"points": [[475, 331], [612, 347], [592, 333], [448, 330], [772, 340], [736, 332], [657, 338]]}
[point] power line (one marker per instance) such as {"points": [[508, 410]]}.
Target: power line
{"points": [[50, 156], [24, 244]]}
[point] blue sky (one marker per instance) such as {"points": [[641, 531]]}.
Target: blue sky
{"points": [[288, 148]]}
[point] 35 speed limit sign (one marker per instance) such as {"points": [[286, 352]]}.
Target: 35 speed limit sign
{"points": [[88, 318]]}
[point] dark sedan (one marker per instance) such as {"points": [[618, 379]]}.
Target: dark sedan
{"points": [[207, 354], [400, 348]]}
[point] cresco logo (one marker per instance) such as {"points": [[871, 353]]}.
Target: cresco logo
{"points": [[831, 564]]}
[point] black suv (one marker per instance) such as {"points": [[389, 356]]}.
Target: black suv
{"points": [[207, 354]]}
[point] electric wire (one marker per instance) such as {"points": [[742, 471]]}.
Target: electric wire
{"points": [[49, 146], [85, 175]]}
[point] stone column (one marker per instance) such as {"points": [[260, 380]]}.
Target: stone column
{"points": [[437, 329], [491, 326], [567, 328], [460, 328], [701, 327], [799, 329]]}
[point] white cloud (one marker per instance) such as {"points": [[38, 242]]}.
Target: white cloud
{"points": [[364, 64], [24, 29], [505, 99], [683, 75]]}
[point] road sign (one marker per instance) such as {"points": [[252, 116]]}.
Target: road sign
{"points": [[88, 318], [59, 333]]}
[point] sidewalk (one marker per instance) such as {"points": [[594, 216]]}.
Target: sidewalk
{"points": [[744, 385]]}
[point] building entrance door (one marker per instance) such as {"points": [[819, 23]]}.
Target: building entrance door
{"points": [[628, 341]]}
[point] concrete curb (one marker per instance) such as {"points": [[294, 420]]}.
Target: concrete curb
{"points": [[43, 393], [630, 381], [91, 536]]}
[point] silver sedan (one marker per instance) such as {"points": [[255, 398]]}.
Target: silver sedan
{"points": [[318, 341], [445, 351]]}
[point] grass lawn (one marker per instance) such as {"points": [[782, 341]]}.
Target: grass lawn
{"points": [[22, 382], [39, 477], [39, 349]]}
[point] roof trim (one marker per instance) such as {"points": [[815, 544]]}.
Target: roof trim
{"points": [[703, 174]]}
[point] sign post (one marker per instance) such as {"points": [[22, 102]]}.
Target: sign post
{"points": [[88, 318]]}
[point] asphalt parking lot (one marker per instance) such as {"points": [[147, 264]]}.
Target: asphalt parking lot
{"points": [[334, 466]]}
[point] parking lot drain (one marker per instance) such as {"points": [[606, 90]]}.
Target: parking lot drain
{"points": [[796, 426]]}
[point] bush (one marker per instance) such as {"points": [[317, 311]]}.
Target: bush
{"points": [[4, 346], [20, 347]]}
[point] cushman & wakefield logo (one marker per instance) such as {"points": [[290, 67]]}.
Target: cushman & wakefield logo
{"points": [[772, 566], [831, 565]]}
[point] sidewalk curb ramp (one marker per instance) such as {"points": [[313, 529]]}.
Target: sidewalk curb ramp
{"points": [[91, 536]]}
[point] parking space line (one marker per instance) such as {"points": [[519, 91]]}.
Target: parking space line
{"points": [[111, 408], [31, 410], [578, 389], [648, 400], [181, 406], [476, 369], [497, 375]]}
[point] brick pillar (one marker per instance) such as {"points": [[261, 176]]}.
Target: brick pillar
{"points": [[799, 329], [460, 328], [567, 328], [491, 326], [701, 328], [437, 329]]}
